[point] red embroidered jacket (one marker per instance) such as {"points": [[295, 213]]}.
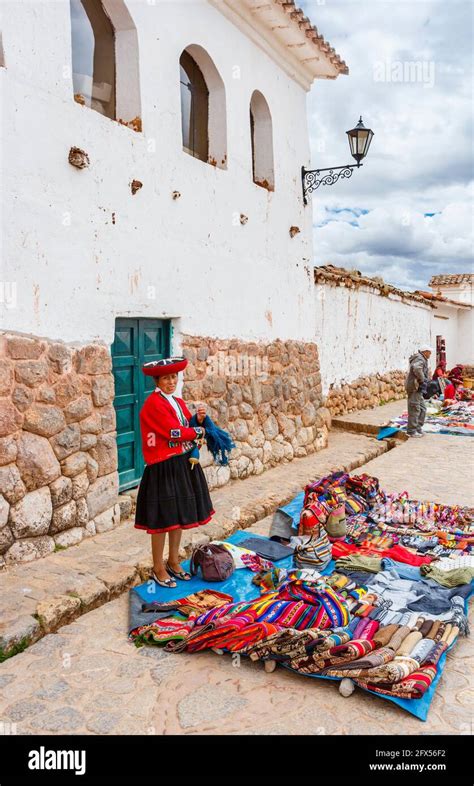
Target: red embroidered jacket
{"points": [[163, 436]]}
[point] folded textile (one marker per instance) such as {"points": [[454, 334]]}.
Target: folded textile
{"points": [[359, 667], [384, 634], [197, 601], [394, 671], [450, 563], [409, 642], [290, 643], [361, 625], [448, 578], [426, 627], [370, 629], [266, 548], [315, 662], [359, 562], [421, 651], [296, 604], [437, 624], [404, 571], [399, 637], [165, 630], [233, 634], [430, 605], [412, 687]]}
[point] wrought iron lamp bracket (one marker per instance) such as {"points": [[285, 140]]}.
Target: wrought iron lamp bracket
{"points": [[311, 180]]}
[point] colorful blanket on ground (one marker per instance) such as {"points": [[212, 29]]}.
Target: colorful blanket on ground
{"points": [[458, 418], [358, 621]]}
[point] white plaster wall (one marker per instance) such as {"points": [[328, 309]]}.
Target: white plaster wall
{"points": [[359, 332], [445, 323], [457, 327], [466, 337], [464, 292], [82, 250]]}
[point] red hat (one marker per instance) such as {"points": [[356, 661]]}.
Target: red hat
{"points": [[158, 368]]}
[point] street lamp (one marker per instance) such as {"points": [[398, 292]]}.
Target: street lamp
{"points": [[360, 138]]}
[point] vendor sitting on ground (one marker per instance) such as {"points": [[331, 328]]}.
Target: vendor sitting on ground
{"points": [[452, 392], [440, 370], [415, 384], [456, 372]]}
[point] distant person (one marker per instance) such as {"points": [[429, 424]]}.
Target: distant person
{"points": [[451, 391], [440, 370], [457, 372], [415, 385]]}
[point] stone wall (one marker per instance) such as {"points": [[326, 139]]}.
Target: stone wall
{"points": [[366, 392], [267, 395], [58, 453]]}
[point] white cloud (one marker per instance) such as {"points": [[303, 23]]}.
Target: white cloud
{"points": [[421, 156]]}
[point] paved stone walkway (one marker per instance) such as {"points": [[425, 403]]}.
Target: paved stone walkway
{"points": [[38, 597], [89, 678], [371, 419], [438, 467]]}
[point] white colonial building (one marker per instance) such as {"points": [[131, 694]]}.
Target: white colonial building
{"points": [[151, 203]]}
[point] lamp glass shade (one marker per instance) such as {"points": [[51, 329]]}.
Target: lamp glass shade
{"points": [[360, 138]]}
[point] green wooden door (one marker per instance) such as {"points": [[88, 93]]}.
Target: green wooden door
{"points": [[136, 341]]}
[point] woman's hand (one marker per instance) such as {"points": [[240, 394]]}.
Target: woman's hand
{"points": [[201, 413]]}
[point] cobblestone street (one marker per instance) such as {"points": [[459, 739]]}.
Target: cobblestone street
{"points": [[88, 678]]}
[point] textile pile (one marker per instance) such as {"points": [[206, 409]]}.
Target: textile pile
{"points": [[458, 418], [384, 611]]}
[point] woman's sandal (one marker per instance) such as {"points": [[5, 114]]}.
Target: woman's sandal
{"points": [[168, 584], [183, 575]]}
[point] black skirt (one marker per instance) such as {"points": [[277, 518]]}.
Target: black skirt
{"points": [[172, 495]]}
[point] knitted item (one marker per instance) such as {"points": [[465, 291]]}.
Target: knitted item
{"points": [[384, 634], [448, 578], [421, 651], [396, 670], [426, 627], [399, 637], [409, 642], [316, 663], [359, 667], [359, 562]]}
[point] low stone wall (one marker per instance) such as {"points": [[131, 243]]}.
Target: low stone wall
{"points": [[58, 453], [366, 392], [267, 395]]}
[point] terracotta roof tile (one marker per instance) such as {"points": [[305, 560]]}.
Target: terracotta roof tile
{"points": [[451, 278], [298, 16], [352, 279]]}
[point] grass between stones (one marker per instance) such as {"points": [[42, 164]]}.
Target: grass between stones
{"points": [[19, 646]]}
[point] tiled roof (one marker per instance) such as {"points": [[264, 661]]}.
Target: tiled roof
{"points": [[299, 18], [440, 299], [353, 279], [291, 36], [451, 278]]}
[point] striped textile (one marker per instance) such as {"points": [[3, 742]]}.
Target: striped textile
{"points": [[316, 663]]}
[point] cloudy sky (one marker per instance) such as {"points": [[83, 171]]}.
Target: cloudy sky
{"points": [[407, 213]]}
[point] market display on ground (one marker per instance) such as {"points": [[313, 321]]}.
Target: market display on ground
{"points": [[458, 418], [353, 582]]}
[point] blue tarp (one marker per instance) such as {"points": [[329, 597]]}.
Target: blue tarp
{"points": [[240, 586]]}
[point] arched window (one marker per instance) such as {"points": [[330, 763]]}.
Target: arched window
{"points": [[194, 108], [105, 59], [261, 135], [203, 109], [93, 56]]}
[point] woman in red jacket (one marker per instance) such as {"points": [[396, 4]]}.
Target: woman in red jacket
{"points": [[173, 493]]}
